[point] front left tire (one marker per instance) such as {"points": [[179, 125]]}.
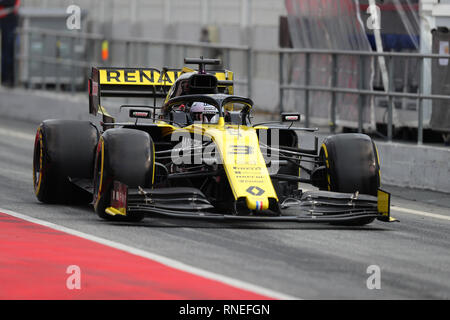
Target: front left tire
{"points": [[63, 149]]}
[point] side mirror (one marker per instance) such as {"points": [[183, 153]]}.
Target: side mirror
{"points": [[290, 117], [140, 114]]}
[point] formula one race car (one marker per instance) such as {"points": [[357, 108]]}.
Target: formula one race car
{"points": [[198, 155]]}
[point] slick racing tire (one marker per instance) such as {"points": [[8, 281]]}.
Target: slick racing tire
{"points": [[352, 165], [63, 149], [124, 155]]}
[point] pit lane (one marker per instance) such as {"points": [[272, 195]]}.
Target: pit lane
{"points": [[305, 261]]}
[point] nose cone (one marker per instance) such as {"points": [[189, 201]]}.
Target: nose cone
{"points": [[257, 203]]}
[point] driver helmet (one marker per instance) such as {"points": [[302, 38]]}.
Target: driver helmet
{"points": [[204, 112]]}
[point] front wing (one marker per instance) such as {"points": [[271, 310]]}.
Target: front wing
{"points": [[310, 206]]}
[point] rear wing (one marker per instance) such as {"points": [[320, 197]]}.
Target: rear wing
{"points": [[140, 82]]}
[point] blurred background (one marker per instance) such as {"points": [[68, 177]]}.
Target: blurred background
{"points": [[346, 65]]}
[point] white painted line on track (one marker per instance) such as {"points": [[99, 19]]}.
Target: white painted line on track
{"points": [[17, 134], [158, 258], [421, 213]]}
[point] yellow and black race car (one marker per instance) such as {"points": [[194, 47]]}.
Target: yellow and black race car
{"points": [[198, 155]]}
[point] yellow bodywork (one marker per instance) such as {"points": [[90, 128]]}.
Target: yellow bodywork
{"points": [[114, 212], [242, 160], [384, 204]]}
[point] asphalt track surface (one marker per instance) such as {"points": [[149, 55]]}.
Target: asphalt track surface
{"points": [[304, 261]]}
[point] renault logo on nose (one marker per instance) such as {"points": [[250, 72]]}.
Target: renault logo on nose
{"points": [[255, 191]]}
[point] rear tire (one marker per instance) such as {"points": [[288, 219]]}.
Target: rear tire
{"points": [[352, 165], [124, 155], [63, 149]]}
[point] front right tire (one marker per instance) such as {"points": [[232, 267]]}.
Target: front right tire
{"points": [[352, 165]]}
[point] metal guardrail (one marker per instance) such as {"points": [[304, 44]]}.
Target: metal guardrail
{"points": [[390, 93], [133, 44]]}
